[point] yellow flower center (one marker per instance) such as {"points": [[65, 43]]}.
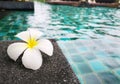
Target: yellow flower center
{"points": [[32, 43]]}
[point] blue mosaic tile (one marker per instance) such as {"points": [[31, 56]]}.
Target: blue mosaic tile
{"points": [[72, 51], [77, 42], [80, 79], [111, 63], [91, 79], [101, 54], [77, 58], [84, 68], [89, 56], [75, 70], [68, 45], [109, 78], [118, 72], [97, 66], [114, 55], [83, 49], [114, 44]]}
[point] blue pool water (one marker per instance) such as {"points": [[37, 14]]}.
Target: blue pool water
{"points": [[88, 37]]}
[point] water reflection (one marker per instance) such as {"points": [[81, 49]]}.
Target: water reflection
{"points": [[60, 22], [15, 22]]}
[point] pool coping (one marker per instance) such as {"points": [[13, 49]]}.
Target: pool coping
{"points": [[54, 70], [15, 5], [83, 4]]}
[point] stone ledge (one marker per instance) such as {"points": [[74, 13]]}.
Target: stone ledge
{"points": [[54, 70], [13, 5]]}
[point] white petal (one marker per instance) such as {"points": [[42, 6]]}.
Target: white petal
{"points": [[25, 35], [45, 46], [35, 33], [32, 59], [15, 50]]}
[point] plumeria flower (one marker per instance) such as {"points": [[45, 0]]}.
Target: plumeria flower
{"points": [[30, 47]]}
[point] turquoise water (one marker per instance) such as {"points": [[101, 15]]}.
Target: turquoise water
{"points": [[88, 37], [13, 23]]}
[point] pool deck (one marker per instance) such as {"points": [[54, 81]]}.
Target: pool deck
{"points": [[13, 5], [83, 4], [54, 70]]}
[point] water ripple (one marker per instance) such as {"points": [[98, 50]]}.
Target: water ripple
{"points": [[65, 22]]}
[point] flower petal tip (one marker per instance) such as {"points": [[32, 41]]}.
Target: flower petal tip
{"points": [[15, 50], [45, 46], [51, 53], [32, 59]]}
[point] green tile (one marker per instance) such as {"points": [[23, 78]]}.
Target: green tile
{"points": [[72, 51], [84, 68], [3, 34], [75, 69], [89, 56], [101, 54], [91, 79], [118, 72], [80, 79], [77, 58], [109, 78], [97, 66], [111, 63], [78, 43], [83, 49], [69, 45]]}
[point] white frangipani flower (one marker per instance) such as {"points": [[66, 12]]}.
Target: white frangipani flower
{"points": [[30, 48]]}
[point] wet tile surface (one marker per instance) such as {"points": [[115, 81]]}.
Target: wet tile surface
{"points": [[111, 63], [77, 58], [97, 66], [109, 78], [84, 68], [94, 61], [118, 72], [92, 79]]}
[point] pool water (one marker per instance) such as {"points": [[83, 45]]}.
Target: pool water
{"points": [[89, 37], [14, 23]]}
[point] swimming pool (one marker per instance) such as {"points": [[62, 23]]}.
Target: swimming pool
{"points": [[88, 37]]}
